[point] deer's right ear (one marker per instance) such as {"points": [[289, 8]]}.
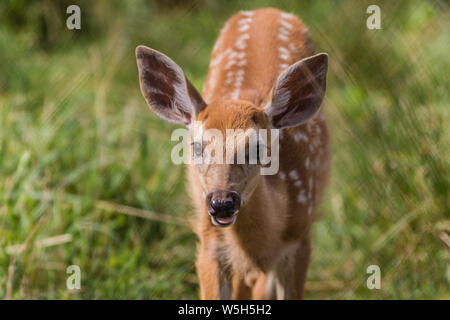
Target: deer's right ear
{"points": [[165, 87], [298, 92]]}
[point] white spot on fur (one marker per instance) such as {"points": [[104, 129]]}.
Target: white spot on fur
{"points": [[239, 79], [235, 94], [241, 45], [301, 198], [283, 37], [240, 42], [230, 63], [218, 59], [293, 175], [241, 63], [310, 187], [286, 15], [283, 65], [307, 163], [247, 13], [232, 54], [284, 31], [244, 28], [230, 74], [282, 175], [219, 42], [245, 20], [316, 162], [210, 85], [298, 183], [286, 24], [240, 74], [293, 48], [299, 136]]}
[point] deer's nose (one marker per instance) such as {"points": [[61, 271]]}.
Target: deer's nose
{"points": [[223, 203]]}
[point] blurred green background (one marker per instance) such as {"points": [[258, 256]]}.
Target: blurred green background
{"points": [[85, 170]]}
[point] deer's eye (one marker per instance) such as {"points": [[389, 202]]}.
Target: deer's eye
{"points": [[198, 150]]}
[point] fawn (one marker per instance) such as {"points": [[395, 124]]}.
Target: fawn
{"points": [[253, 229]]}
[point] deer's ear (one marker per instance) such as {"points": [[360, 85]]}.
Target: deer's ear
{"points": [[299, 91], [165, 87]]}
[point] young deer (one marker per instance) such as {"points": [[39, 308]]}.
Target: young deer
{"points": [[263, 74]]}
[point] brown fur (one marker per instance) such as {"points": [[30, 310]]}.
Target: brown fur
{"points": [[263, 75]]}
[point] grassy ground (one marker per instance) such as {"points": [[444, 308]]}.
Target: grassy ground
{"points": [[85, 170]]}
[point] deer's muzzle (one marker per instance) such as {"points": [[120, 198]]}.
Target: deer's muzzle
{"points": [[223, 207]]}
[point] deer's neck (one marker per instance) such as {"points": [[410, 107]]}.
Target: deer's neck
{"points": [[254, 223]]}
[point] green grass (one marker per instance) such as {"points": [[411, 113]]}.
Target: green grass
{"points": [[81, 155]]}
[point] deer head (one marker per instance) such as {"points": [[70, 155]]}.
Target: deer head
{"points": [[294, 99]]}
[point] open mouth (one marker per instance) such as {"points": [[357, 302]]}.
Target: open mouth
{"points": [[223, 221]]}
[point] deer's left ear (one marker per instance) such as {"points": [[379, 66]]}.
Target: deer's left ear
{"points": [[166, 89], [299, 91]]}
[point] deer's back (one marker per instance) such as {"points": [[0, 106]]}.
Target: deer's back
{"points": [[253, 48]]}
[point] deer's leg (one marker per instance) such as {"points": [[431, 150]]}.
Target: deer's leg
{"points": [[215, 278], [264, 288], [301, 263], [241, 290], [290, 274]]}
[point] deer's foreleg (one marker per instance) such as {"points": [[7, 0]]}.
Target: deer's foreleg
{"points": [[214, 275]]}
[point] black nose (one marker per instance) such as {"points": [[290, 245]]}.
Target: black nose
{"points": [[223, 203]]}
